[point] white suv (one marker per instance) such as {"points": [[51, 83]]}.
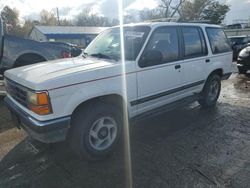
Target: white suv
{"points": [[82, 99]]}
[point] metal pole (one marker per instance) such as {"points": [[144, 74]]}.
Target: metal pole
{"points": [[58, 18]]}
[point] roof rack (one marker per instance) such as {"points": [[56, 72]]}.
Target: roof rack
{"points": [[163, 20], [177, 20], [200, 21]]}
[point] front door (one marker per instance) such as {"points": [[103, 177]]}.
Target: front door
{"points": [[159, 70]]}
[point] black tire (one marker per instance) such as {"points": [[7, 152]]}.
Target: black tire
{"points": [[212, 86], [28, 59], [84, 120], [242, 71]]}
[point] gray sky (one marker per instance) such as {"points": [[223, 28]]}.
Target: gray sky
{"points": [[109, 8]]}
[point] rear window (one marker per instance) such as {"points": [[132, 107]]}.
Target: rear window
{"points": [[194, 43], [218, 40]]}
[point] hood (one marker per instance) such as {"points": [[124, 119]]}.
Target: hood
{"points": [[57, 73]]}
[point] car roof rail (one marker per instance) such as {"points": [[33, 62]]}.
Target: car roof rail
{"points": [[179, 21], [200, 21], [163, 20]]}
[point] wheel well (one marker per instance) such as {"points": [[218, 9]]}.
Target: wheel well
{"points": [[28, 58], [113, 99], [218, 72]]}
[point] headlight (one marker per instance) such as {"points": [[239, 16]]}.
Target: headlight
{"points": [[244, 53], [39, 102]]}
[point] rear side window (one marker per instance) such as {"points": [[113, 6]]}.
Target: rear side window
{"points": [[218, 40], [194, 42]]}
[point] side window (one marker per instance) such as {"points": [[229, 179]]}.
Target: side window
{"points": [[162, 47], [194, 43], [218, 40]]}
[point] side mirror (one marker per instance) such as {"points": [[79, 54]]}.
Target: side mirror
{"points": [[151, 57]]}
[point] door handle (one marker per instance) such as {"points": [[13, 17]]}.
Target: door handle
{"points": [[207, 60], [177, 66]]}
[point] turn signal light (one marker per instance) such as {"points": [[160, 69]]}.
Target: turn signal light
{"points": [[40, 110], [39, 103]]}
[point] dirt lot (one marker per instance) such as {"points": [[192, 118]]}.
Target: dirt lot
{"points": [[188, 147]]}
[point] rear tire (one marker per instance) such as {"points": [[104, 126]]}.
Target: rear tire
{"points": [[28, 59], [95, 130], [211, 91]]}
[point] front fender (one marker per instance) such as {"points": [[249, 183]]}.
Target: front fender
{"points": [[73, 96]]}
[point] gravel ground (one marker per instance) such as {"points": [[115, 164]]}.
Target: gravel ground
{"points": [[188, 147]]}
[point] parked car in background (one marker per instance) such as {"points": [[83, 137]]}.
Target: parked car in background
{"points": [[17, 52], [74, 49], [243, 61], [236, 26], [238, 43], [83, 100]]}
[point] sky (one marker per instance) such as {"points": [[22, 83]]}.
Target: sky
{"points": [[70, 8]]}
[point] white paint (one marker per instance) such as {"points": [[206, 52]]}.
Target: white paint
{"points": [[73, 81]]}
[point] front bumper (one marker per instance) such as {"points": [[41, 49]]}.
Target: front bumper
{"points": [[45, 131]]}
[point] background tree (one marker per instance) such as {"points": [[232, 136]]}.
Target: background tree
{"points": [[203, 10], [215, 12], [152, 14], [10, 20], [65, 22], [188, 10], [27, 26], [86, 18], [130, 18], [48, 18], [171, 7]]}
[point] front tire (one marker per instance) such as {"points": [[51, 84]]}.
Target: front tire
{"points": [[95, 130], [211, 91]]}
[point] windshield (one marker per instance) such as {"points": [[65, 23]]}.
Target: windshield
{"points": [[107, 44]]}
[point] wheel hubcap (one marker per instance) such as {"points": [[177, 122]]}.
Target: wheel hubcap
{"points": [[213, 91], [103, 133]]}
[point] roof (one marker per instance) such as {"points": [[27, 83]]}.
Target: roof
{"points": [[156, 24], [69, 29]]}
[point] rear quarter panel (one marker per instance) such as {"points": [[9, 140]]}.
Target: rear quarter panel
{"points": [[222, 61]]}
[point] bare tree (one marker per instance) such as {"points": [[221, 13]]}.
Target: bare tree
{"points": [[176, 8], [203, 10], [151, 14], [48, 18], [192, 10], [171, 7], [87, 18]]}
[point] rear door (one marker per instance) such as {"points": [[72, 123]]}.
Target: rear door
{"points": [[195, 59]]}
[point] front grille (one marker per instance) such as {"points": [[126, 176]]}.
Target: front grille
{"points": [[17, 92]]}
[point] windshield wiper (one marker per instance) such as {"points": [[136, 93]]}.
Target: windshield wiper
{"points": [[104, 56], [85, 54]]}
